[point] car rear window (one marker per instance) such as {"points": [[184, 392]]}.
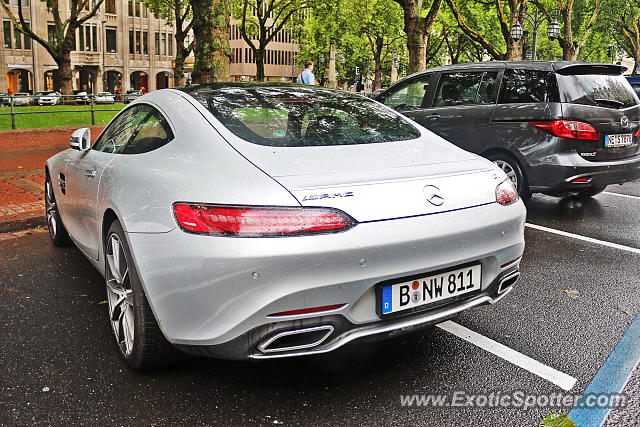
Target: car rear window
{"points": [[298, 116], [597, 89]]}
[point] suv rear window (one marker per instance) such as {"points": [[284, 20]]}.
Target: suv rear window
{"points": [[597, 89], [526, 86], [298, 116]]}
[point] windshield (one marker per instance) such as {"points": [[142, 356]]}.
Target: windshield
{"points": [[297, 116], [597, 89]]}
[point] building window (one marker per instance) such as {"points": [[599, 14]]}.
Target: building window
{"points": [[157, 43], [144, 11], [163, 46], [27, 39], [170, 37], [138, 42], [87, 39], [111, 41], [130, 8], [51, 34], [6, 27], [145, 43], [94, 38], [81, 39], [110, 6], [131, 42], [17, 39], [137, 6]]}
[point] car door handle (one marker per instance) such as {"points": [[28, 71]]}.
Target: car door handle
{"points": [[91, 173]]}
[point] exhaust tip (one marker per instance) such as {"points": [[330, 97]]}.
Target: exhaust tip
{"points": [[296, 339], [507, 281]]}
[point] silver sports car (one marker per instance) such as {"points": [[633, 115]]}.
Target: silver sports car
{"points": [[260, 221]]}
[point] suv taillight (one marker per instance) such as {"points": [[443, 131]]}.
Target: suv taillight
{"points": [[259, 221], [568, 129]]}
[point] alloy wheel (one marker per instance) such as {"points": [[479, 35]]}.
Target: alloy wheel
{"points": [[51, 209], [119, 295], [508, 169]]}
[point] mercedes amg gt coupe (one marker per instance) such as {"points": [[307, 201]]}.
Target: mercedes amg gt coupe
{"points": [[255, 221]]}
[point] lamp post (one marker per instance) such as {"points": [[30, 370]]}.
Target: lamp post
{"points": [[553, 29]]}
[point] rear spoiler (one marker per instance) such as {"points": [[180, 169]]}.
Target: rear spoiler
{"points": [[568, 69]]}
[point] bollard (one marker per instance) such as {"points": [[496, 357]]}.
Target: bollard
{"points": [[93, 114], [13, 114]]}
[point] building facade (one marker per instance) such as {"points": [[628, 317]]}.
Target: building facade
{"points": [[279, 61], [123, 47]]}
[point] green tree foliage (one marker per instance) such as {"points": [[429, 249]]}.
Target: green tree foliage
{"points": [[627, 31], [488, 23], [61, 42], [211, 31], [261, 20], [178, 11]]}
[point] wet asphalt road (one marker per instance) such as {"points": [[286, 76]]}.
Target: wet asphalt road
{"points": [[59, 364]]}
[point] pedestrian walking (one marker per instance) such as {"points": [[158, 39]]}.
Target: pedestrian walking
{"points": [[306, 77]]}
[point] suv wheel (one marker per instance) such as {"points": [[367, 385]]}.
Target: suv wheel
{"points": [[511, 167]]}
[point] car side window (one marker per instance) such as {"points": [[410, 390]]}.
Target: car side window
{"points": [[121, 129], [152, 133], [409, 96], [526, 86], [463, 88]]}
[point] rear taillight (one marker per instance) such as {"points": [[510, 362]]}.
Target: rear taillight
{"points": [[568, 129], [638, 133], [259, 221], [506, 193]]}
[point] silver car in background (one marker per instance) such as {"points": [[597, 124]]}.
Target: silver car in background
{"points": [[254, 221]]}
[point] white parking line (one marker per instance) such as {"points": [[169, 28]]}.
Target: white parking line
{"points": [[584, 238], [562, 380], [621, 195]]}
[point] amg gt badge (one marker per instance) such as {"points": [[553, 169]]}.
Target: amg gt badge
{"points": [[327, 196]]}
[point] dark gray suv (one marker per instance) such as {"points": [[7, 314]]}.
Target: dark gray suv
{"points": [[557, 128]]}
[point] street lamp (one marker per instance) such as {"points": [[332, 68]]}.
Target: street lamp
{"points": [[553, 30]]}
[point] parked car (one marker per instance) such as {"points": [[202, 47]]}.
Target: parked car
{"points": [[22, 98], [278, 220], [4, 99], [131, 95], [634, 81], [49, 98], [105, 98], [557, 128], [81, 97]]}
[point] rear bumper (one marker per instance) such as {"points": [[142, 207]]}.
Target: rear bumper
{"points": [[341, 331], [211, 291], [556, 174]]}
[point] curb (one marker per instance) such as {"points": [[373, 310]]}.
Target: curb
{"points": [[22, 224]]}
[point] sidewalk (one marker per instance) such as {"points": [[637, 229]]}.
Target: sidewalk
{"points": [[22, 157]]}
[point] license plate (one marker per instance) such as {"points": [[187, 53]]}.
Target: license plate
{"points": [[429, 289], [619, 140]]}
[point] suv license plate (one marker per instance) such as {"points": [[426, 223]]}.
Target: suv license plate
{"points": [[425, 290], [619, 140]]}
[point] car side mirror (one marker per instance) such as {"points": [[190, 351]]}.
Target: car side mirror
{"points": [[81, 139]]}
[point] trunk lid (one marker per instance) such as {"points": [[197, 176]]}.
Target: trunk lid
{"points": [[374, 182]]}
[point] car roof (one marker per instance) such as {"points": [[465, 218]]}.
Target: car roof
{"points": [[561, 67], [205, 87]]}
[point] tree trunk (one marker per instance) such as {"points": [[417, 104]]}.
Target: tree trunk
{"points": [[512, 53], [63, 77], [636, 64], [211, 32], [377, 58], [259, 55]]}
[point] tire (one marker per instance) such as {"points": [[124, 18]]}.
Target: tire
{"points": [[592, 191], [513, 170], [57, 231], [138, 336]]}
